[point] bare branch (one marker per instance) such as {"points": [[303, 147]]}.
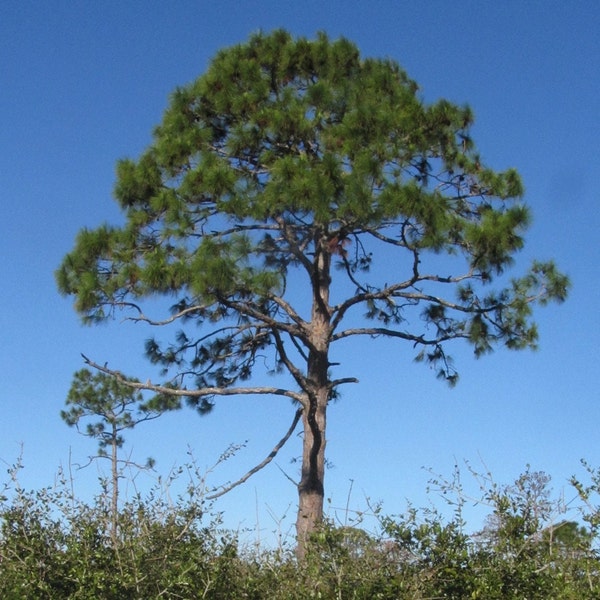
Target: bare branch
{"points": [[265, 462], [240, 228], [244, 308], [337, 382], [298, 250], [341, 309], [143, 318], [397, 291], [378, 331], [208, 391], [293, 370], [287, 308]]}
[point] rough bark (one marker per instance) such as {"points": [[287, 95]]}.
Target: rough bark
{"points": [[311, 487], [314, 416]]}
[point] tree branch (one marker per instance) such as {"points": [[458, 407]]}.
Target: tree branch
{"points": [[337, 382], [143, 318], [292, 369], [265, 462], [208, 391], [376, 331], [396, 291], [244, 308]]}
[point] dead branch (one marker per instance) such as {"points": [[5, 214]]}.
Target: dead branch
{"points": [[264, 463], [207, 391]]}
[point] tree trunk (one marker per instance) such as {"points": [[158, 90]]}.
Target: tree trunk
{"points": [[311, 487], [114, 505]]}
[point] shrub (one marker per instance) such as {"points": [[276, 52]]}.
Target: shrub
{"points": [[55, 546]]}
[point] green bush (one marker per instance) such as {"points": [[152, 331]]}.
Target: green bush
{"points": [[55, 546]]}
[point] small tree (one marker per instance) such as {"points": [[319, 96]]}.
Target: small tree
{"points": [[272, 185], [119, 407]]}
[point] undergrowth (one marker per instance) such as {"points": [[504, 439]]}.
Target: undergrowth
{"points": [[54, 545]]}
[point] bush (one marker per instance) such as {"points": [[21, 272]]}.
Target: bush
{"points": [[55, 546]]}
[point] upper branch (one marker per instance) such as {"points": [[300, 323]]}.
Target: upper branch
{"points": [[249, 310], [294, 371], [417, 339], [186, 312]]}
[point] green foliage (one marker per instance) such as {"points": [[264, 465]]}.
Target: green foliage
{"points": [[286, 148], [54, 546], [117, 406], [286, 158], [589, 494]]}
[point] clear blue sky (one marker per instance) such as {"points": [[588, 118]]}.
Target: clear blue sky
{"points": [[83, 84]]}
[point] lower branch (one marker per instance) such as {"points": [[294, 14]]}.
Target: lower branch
{"points": [[265, 462], [208, 391]]}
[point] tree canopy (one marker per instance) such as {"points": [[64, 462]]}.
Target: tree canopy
{"points": [[296, 195]]}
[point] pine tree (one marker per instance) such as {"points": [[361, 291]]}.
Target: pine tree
{"points": [[118, 408], [296, 164]]}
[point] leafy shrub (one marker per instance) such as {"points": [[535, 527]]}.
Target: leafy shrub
{"points": [[55, 546]]}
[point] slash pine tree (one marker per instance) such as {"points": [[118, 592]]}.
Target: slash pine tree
{"points": [[294, 196]]}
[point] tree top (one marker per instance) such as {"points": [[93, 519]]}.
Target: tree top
{"points": [[286, 149]]}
